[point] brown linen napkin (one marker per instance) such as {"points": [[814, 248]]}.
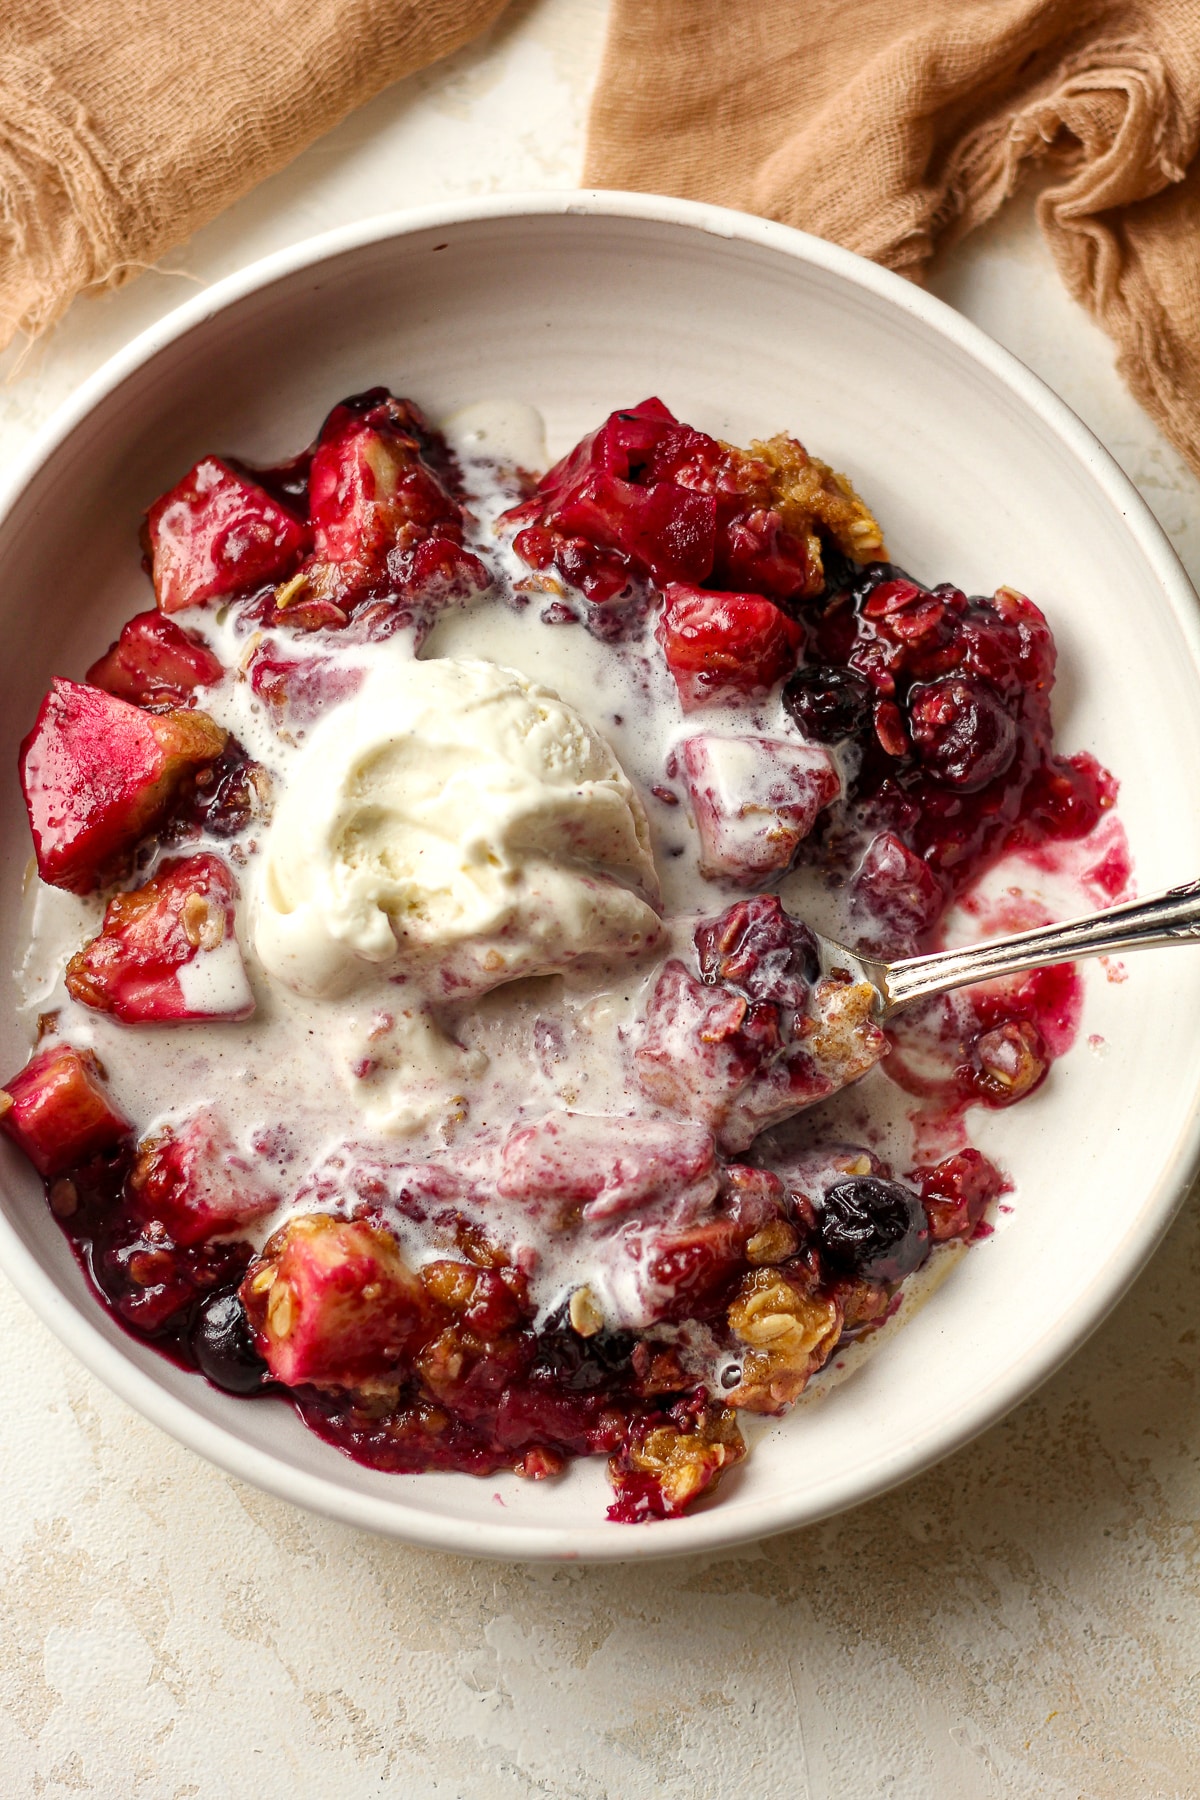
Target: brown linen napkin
{"points": [[127, 124], [896, 126], [892, 126]]}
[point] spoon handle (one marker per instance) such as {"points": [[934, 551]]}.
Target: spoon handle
{"points": [[1170, 918]]}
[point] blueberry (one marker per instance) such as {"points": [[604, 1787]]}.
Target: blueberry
{"points": [[962, 733], [581, 1364], [874, 1228], [224, 1348], [829, 703]]}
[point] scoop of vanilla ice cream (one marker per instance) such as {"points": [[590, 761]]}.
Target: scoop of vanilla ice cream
{"points": [[458, 824]]}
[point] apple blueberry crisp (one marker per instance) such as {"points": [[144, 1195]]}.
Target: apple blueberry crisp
{"points": [[428, 1028]]}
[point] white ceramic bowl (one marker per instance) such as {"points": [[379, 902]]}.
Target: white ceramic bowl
{"points": [[580, 303]]}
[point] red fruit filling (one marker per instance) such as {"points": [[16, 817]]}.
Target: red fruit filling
{"points": [[384, 519], [687, 1265], [218, 534], [645, 496], [192, 1180], [98, 774], [154, 659], [725, 647], [895, 896], [947, 700], [58, 1110], [604, 513], [167, 951], [990, 1045], [759, 1036], [754, 801], [956, 1194]]}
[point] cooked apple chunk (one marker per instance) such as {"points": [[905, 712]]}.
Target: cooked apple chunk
{"points": [[754, 800], [58, 1110], [219, 533], [194, 1181], [333, 1303], [98, 774], [167, 951]]}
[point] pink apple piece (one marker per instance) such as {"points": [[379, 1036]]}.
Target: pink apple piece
{"points": [[754, 800]]}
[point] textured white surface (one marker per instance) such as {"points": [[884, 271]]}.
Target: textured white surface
{"points": [[1022, 1621]]}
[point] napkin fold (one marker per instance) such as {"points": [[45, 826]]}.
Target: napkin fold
{"points": [[125, 125], [896, 126]]}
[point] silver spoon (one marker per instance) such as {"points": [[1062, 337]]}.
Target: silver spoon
{"points": [[1170, 918]]}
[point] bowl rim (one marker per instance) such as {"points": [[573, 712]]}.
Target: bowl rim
{"points": [[723, 1525]]}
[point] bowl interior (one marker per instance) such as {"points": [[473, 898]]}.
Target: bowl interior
{"points": [[976, 478]]}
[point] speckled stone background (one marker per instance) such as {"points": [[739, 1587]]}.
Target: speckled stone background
{"points": [[1023, 1621]]}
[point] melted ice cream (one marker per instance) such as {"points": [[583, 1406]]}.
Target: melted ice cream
{"points": [[453, 824]]}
